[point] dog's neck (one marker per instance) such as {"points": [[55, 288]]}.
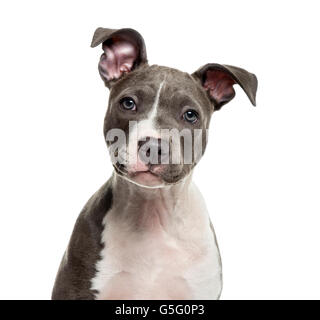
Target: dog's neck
{"points": [[148, 208]]}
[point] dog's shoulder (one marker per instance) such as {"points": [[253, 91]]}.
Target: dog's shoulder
{"points": [[78, 263]]}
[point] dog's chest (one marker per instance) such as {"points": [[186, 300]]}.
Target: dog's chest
{"points": [[151, 262]]}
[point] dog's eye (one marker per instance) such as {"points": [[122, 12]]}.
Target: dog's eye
{"points": [[128, 103], [190, 116]]}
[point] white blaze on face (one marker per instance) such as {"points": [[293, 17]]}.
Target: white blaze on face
{"points": [[153, 112], [139, 130]]}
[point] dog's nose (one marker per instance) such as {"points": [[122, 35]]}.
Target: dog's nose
{"points": [[153, 150]]}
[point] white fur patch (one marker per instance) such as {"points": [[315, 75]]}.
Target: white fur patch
{"points": [[164, 251], [142, 129], [146, 127], [153, 113]]}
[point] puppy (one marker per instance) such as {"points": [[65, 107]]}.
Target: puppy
{"points": [[146, 233]]}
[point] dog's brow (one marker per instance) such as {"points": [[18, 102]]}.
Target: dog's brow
{"points": [[131, 90], [189, 100]]}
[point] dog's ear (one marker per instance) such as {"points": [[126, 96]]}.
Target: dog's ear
{"points": [[218, 81], [124, 50]]}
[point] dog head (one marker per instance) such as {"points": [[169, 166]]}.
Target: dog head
{"points": [[157, 118]]}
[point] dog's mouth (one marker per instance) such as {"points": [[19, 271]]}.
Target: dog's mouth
{"points": [[122, 169], [154, 175], [150, 176]]}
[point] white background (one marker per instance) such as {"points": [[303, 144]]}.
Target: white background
{"points": [[260, 175]]}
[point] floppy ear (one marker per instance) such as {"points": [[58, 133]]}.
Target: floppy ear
{"points": [[218, 81], [124, 50]]}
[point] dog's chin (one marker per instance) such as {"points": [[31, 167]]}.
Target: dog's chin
{"points": [[149, 179], [156, 177], [146, 179]]}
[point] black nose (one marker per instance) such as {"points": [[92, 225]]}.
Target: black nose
{"points": [[153, 150]]}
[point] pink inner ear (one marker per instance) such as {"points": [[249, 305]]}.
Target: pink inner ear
{"points": [[119, 58], [220, 85]]}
